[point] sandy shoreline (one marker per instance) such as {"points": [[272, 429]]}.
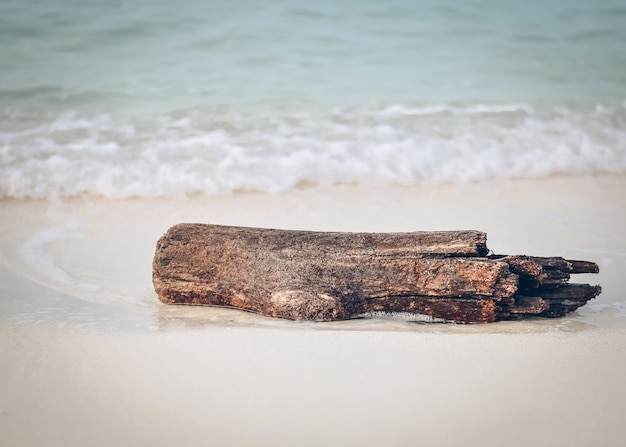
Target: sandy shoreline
{"points": [[249, 386], [89, 357]]}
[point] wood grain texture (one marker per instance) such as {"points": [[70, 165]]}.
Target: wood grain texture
{"points": [[333, 276]]}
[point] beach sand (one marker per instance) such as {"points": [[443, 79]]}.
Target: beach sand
{"points": [[88, 356]]}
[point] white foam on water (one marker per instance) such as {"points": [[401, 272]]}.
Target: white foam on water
{"points": [[221, 150]]}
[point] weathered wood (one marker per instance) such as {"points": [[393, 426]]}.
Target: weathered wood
{"points": [[308, 275], [449, 243], [550, 301], [458, 310], [555, 262], [536, 272], [528, 305], [584, 267], [521, 265], [571, 292], [333, 276]]}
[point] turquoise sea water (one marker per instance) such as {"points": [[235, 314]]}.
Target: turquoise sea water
{"points": [[155, 98]]}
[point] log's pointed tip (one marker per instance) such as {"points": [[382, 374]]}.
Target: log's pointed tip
{"points": [[584, 267]]}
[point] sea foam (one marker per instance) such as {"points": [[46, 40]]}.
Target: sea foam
{"points": [[220, 150]]}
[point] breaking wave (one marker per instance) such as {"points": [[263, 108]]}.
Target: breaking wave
{"points": [[219, 150]]}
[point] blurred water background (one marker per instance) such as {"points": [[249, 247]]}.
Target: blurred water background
{"points": [[156, 98]]}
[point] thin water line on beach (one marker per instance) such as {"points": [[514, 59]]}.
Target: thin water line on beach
{"points": [[34, 253]]}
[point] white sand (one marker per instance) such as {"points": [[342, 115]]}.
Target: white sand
{"points": [[89, 357]]}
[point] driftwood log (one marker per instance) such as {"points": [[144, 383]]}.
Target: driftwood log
{"points": [[325, 276]]}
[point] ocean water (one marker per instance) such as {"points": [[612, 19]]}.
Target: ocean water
{"points": [[149, 98]]}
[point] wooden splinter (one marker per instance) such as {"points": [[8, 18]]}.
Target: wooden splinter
{"points": [[325, 276]]}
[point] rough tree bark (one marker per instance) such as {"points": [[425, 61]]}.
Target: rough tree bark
{"points": [[334, 276]]}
